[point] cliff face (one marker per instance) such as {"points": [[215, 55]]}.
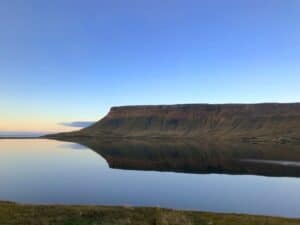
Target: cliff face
{"points": [[248, 121]]}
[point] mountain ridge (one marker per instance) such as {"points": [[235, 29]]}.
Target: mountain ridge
{"points": [[249, 122]]}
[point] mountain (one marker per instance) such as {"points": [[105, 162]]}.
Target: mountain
{"points": [[278, 122]]}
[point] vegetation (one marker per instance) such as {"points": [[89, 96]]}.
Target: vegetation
{"points": [[16, 214]]}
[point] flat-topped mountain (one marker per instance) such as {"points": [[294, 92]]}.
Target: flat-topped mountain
{"points": [[250, 122]]}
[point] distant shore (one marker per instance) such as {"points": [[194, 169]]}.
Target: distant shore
{"points": [[20, 137], [12, 214]]}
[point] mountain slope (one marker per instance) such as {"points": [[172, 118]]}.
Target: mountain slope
{"points": [[253, 122]]}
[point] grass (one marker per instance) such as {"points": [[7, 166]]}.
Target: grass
{"points": [[17, 214]]}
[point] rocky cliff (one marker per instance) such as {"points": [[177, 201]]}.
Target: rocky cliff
{"points": [[250, 122]]}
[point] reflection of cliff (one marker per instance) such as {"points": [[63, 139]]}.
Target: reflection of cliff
{"points": [[250, 122], [196, 156], [198, 138]]}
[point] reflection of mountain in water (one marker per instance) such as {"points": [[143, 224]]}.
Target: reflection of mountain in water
{"points": [[193, 156]]}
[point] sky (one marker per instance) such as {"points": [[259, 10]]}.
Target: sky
{"points": [[66, 62]]}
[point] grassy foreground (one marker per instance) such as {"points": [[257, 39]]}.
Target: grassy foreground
{"points": [[11, 213]]}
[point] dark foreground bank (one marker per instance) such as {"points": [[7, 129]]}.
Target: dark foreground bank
{"points": [[11, 213]]}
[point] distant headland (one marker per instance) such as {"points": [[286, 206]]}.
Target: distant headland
{"points": [[277, 122]]}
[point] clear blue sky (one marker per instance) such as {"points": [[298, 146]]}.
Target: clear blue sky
{"points": [[64, 61]]}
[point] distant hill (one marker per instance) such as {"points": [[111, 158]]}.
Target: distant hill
{"points": [[279, 122]]}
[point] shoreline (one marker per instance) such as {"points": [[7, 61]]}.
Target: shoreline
{"points": [[15, 213], [20, 137]]}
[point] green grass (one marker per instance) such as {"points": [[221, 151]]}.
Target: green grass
{"points": [[17, 214]]}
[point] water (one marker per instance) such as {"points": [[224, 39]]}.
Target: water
{"points": [[278, 162], [47, 171]]}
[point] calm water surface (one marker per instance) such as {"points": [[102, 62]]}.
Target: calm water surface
{"points": [[46, 171]]}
